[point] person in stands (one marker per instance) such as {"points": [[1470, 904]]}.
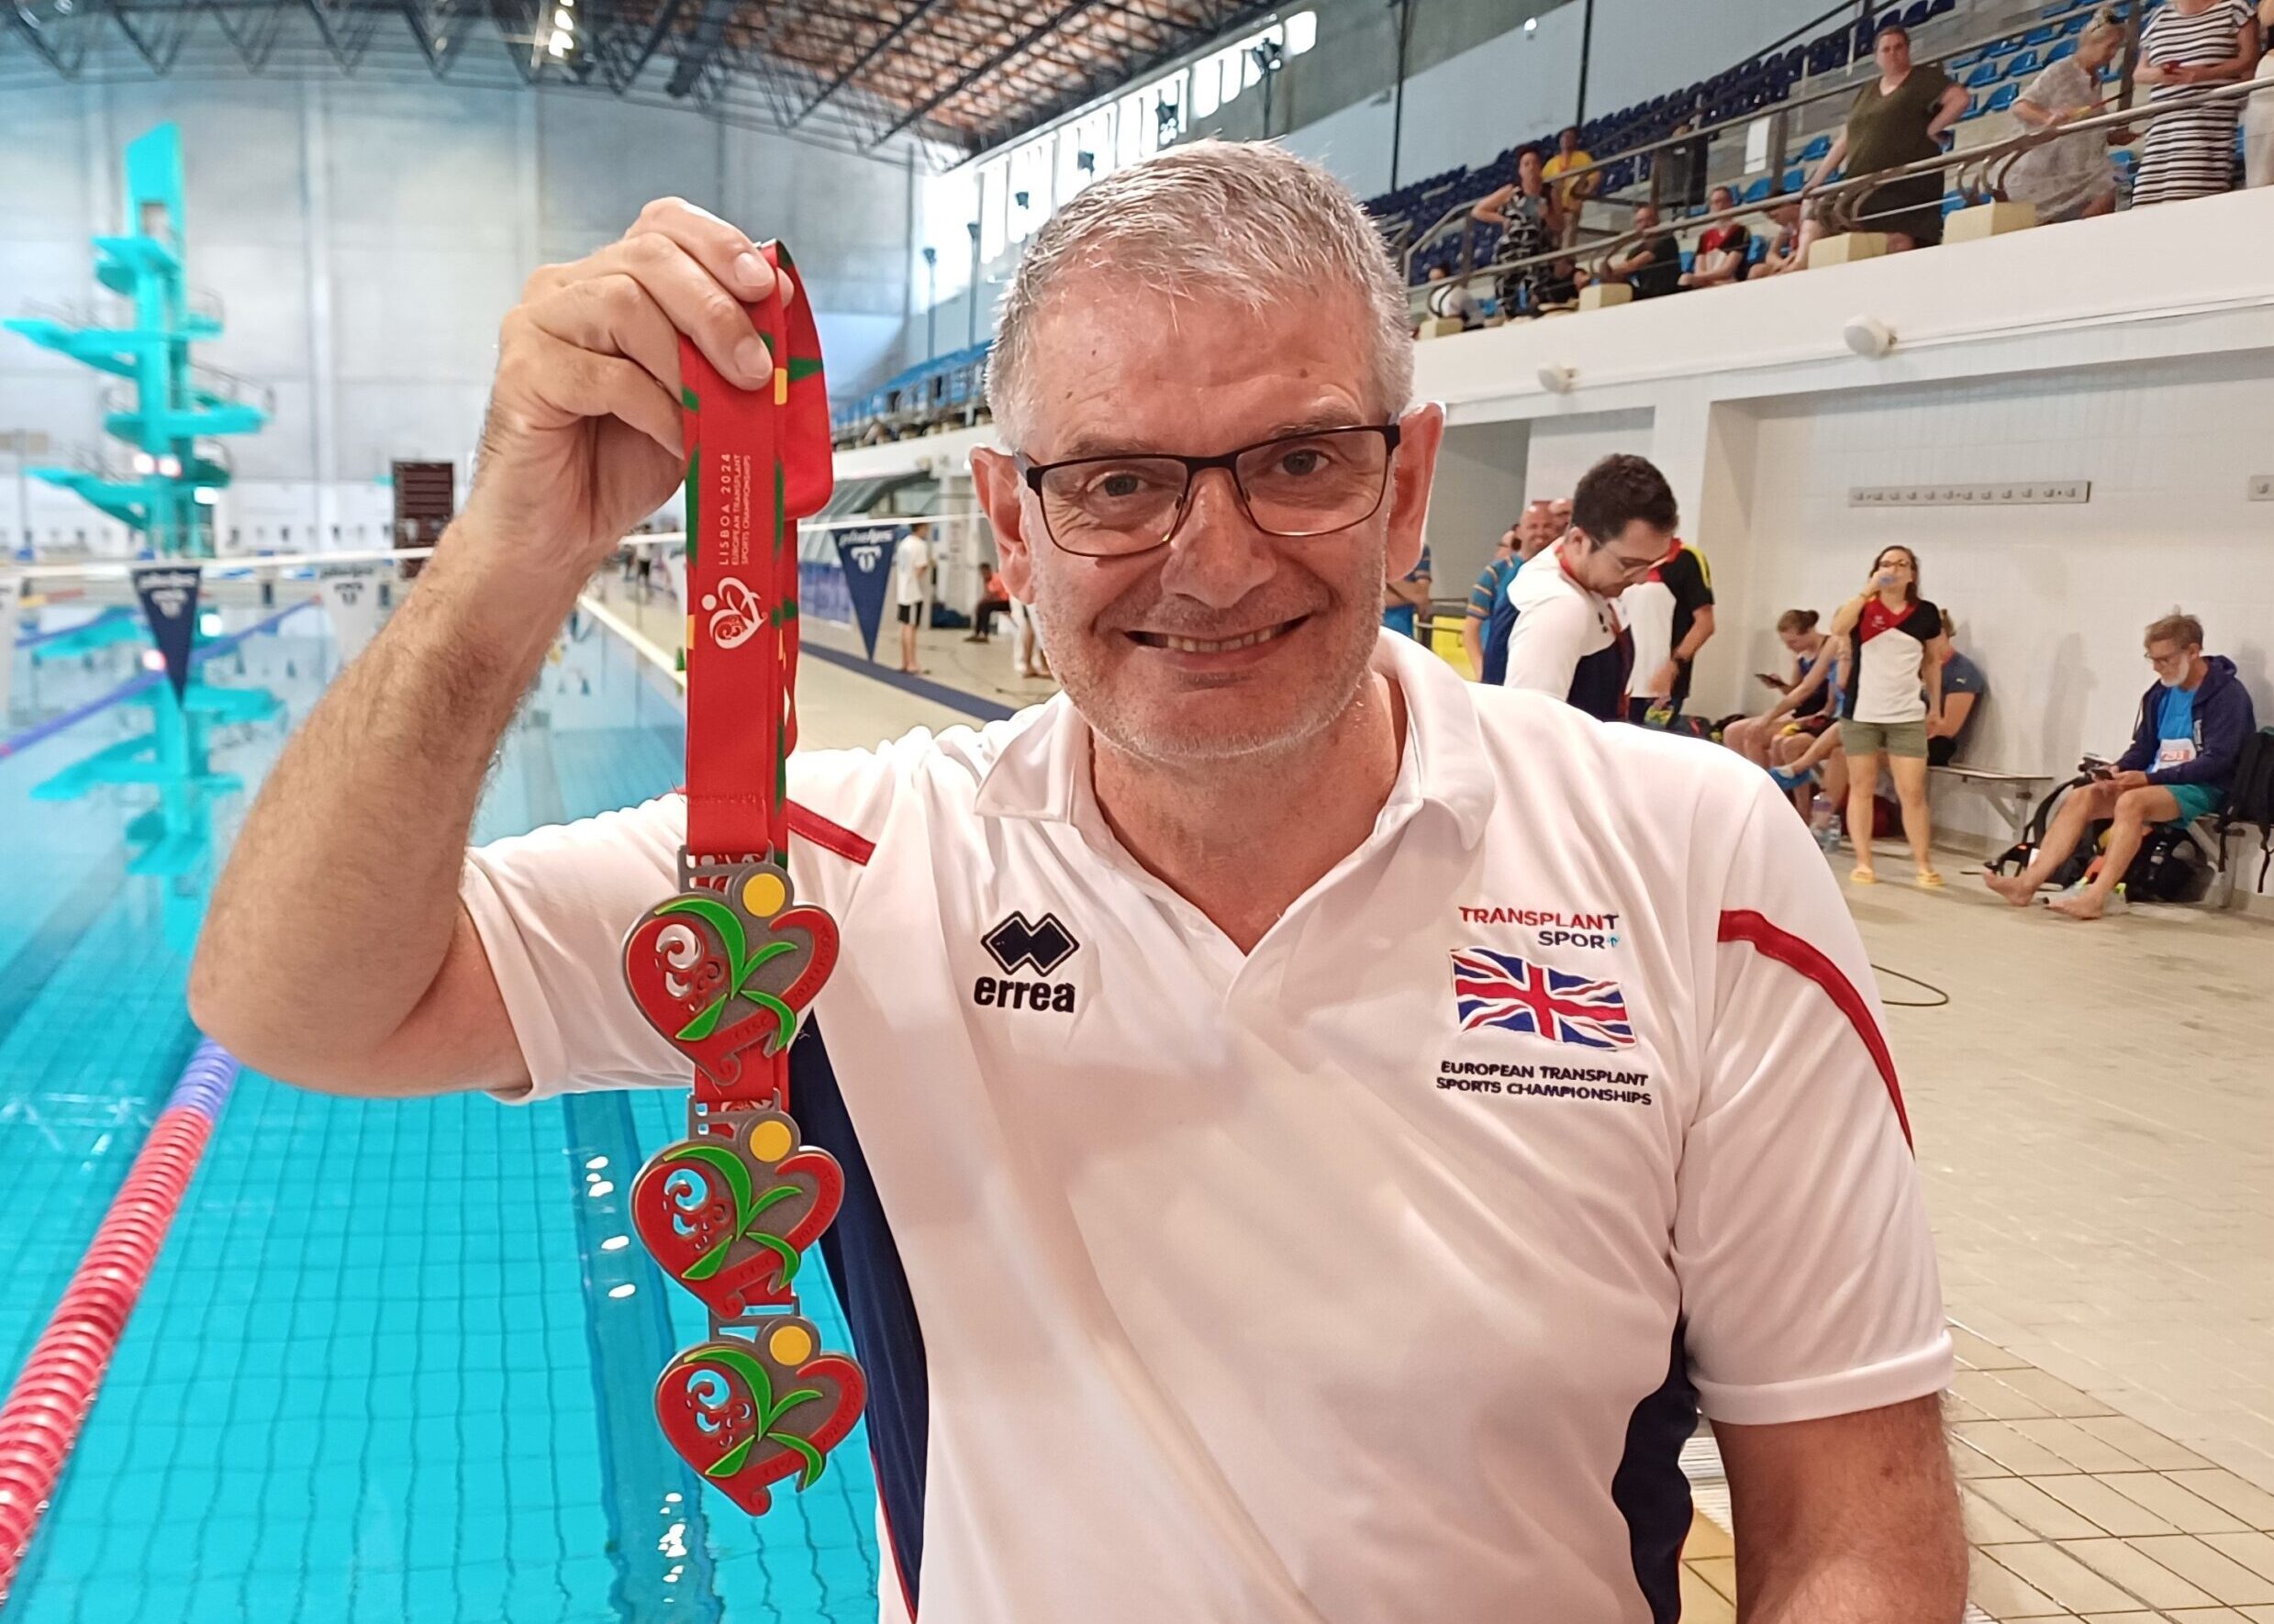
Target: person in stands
{"points": [[2069, 177], [1568, 640], [1962, 690], [2259, 116], [2191, 44], [1722, 249], [1491, 617], [1894, 683], [1898, 118], [1531, 223], [994, 599], [2192, 723], [1751, 737], [1571, 195], [1670, 613], [1653, 267]]}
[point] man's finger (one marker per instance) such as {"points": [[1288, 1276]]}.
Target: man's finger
{"points": [[723, 249], [695, 301], [613, 315], [574, 381]]}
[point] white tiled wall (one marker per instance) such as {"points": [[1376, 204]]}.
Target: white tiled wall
{"points": [[2050, 600]]}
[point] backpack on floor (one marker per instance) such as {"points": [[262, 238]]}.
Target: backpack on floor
{"points": [[2170, 866], [2024, 851], [1886, 818]]}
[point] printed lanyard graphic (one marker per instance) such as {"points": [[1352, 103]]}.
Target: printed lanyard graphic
{"points": [[726, 967]]}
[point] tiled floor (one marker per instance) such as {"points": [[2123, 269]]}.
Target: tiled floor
{"points": [[2073, 1512]]}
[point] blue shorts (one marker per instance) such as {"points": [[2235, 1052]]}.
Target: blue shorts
{"points": [[2196, 800]]}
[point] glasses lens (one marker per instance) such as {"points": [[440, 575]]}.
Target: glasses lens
{"points": [[1114, 504], [1316, 484]]}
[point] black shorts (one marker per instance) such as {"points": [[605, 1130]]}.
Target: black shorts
{"points": [[908, 613], [1940, 751]]}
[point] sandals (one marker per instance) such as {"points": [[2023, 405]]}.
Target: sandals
{"points": [[1863, 876], [1928, 880]]}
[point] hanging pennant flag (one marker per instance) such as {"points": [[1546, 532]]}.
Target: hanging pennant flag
{"points": [[866, 555], [169, 595], [11, 595], [351, 605]]}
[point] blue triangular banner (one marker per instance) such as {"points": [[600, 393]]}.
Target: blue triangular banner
{"points": [[866, 555], [169, 595]]}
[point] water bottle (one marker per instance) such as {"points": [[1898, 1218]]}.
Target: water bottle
{"points": [[1823, 822]]}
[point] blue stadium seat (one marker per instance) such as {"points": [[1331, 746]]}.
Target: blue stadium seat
{"points": [[1757, 191], [2043, 34], [1816, 148], [2004, 96], [2074, 25], [1974, 108], [1794, 179], [1985, 73], [1915, 15], [2061, 52], [2021, 63]]}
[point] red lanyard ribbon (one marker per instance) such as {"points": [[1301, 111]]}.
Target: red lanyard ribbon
{"points": [[726, 967]]}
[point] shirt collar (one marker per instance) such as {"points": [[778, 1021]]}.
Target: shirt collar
{"points": [[1041, 773]]}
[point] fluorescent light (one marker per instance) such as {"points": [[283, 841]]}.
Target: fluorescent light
{"points": [[561, 19], [559, 42]]}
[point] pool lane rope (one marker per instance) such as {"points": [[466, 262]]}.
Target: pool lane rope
{"points": [[41, 1421]]}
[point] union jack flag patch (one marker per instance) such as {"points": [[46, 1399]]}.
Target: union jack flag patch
{"points": [[1493, 989]]}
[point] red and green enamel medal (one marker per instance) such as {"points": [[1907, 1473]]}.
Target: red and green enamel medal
{"points": [[727, 969]]}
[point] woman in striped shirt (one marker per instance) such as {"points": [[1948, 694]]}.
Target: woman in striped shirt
{"points": [[2191, 44]]}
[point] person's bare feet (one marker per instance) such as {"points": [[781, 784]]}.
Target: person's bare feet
{"points": [[2079, 905], [2011, 887]]}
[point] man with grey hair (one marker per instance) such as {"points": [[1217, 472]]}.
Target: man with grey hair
{"points": [[1315, 1129]]}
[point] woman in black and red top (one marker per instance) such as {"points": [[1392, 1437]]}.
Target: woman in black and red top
{"points": [[1894, 683]]}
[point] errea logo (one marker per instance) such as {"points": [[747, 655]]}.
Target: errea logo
{"points": [[1017, 944]]}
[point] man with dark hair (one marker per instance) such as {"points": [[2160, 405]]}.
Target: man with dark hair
{"points": [[1568, 640], [2192, 723]]}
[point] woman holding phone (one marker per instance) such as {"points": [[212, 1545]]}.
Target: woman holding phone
{"points": [[1894, 683]]}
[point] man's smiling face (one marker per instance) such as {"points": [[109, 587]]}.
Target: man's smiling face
{"points": [[1228, 641]]}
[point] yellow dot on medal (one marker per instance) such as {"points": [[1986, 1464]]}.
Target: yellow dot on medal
{"points": [[790, 1345], [781, 385], [763, 895], [770, 1141]]}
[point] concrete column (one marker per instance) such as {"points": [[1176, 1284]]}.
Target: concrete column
{"points": [[323, 356]]}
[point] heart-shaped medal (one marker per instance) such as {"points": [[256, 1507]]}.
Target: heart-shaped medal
{"points": [[730, 965], [728, 1213], [746, 1414]]}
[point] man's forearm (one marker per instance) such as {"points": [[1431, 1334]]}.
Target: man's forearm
{"points": [[339, 899]]}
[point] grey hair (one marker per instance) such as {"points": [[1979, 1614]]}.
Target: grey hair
{"points": [[1244, 219]]}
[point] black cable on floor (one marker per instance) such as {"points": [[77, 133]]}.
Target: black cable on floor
{"points": [[1940, 998]]}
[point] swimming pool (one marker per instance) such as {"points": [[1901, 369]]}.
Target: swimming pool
{"points": [[395, 1362]]}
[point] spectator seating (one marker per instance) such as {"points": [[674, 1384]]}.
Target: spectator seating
{"points": [[947, 389]]}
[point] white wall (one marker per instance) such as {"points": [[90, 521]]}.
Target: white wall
{"points": [[1564, 448], [2050, 600], [366, 238]]}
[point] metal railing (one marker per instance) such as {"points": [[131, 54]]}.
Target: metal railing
{"points": [[1838, 201], [1782, 115]]}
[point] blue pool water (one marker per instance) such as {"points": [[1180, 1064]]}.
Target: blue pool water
{"points": [[387, 1368]]}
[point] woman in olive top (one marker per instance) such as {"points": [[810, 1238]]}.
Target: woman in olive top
{"points": [[1898, 119]]}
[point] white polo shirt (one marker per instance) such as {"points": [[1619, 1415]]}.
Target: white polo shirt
{"points": [[1558, 624], [1362, 1277]]}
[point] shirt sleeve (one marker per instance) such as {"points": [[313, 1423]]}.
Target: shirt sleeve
{"points": [[553, 908], [1480, 595], [1544, 649], [1806, 1268]]}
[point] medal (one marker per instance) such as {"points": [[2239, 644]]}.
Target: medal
{"points": [[726, 967]]}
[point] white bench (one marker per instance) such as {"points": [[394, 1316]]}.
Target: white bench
{"points": [[2015, 794]]}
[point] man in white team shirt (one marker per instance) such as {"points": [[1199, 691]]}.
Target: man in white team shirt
{"points": [[1568, 641], [911, 585], [1314, 1128]]}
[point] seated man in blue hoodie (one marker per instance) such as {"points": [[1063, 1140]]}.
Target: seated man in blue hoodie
{"points": [[2191, 726]]}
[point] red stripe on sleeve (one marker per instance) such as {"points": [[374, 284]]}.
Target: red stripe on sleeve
{"points": [[1742, 924]]}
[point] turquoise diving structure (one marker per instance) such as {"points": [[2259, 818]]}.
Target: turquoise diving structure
{"points": [[170, 411]]}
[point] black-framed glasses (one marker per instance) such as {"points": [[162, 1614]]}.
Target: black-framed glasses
{"points": [[1311, 483]]}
